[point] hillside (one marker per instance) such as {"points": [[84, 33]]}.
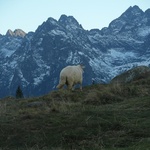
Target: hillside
{"points": [[108, 117], [133, 74]]}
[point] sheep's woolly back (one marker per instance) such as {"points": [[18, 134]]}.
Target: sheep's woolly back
{"points": [[71, 75]]}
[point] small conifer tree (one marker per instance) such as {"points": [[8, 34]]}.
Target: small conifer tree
{"points": [[19, 93]]}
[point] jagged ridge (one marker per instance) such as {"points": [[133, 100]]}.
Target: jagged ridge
{"points": [[34, 61], [16, 33]]}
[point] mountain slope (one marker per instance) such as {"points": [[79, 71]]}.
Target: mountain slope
{"points": [[112, 116], [132, 75], [35, 60]]}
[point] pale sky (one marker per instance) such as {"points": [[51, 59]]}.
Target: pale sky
{"points": [[29, 14]]}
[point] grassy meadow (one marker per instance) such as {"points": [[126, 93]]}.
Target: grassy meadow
{"points": [[101, 117]]}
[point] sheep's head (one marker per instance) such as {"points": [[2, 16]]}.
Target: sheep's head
{"points": [[82, 67]]}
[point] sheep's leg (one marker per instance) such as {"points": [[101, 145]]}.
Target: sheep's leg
{"points": [[70, 86], [62, 82], [59, 86], [81, 87]]}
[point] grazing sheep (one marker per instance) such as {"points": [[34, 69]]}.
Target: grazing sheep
{"points": [[70, 76]]}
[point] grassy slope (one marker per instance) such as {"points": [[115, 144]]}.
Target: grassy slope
{"points": [[115, 117]]}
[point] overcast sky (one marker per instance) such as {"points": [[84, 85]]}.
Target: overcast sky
{"points": [[29, 14]]}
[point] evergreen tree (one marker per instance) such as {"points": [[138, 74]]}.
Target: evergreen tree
{"points": [[19, 93]]}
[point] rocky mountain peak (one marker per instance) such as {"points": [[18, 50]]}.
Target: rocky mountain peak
{"points": [[48, 25], [69, 22], [134, 9], [9, 33], [19, 32], [133, 17], [132, 13], [16, 33], [51, 21], [67, 19], [147, 12]]}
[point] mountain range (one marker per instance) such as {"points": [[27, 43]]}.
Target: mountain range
{"points": [[34, 60]]}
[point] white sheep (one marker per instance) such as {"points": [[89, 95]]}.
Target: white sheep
{"points": [[70, 76]]}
